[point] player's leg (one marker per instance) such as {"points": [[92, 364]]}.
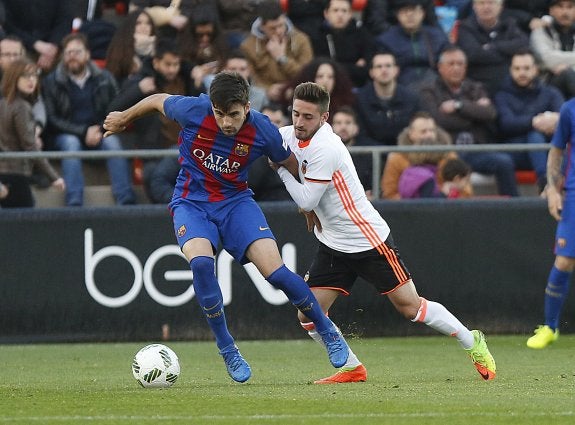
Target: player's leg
{"points": [[264, 254], [352, 370], [559, 277], [197, 236]]}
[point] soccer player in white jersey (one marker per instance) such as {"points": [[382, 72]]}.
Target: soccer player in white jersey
{"points": [[351, 230]]}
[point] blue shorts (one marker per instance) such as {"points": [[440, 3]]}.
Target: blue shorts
{"points": [[237, 222], [565, 235]]}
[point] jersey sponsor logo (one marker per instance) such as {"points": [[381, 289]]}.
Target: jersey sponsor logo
{"points": [[216, 163], [304, 166], [181, 231], [241, 149]]}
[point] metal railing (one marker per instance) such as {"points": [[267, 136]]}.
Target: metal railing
{"points": [[375, 152]]}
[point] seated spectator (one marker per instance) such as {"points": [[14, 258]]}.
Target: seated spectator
{"points": [[416, 46], [131, 46], [171, 16], [77, 96], [528, 111], [167, 74], [342, 40], [237, 62], [41, 28], [463, 108], [489, 40], [422, 130], [332, 76], [384, 107], [236, 17], [428, 7], [552, 40], [345, 125], [20, 88], [275, 49], [308, 16], [525, 13], [456, 177], [262, 180], [203, 44]]}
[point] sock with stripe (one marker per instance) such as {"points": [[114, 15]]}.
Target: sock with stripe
{"points": [[300, 296], [437, 317], [555, 294], [352, 360], [209, 296]]}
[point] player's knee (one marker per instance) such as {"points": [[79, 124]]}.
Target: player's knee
{"points": [[202, 267]]}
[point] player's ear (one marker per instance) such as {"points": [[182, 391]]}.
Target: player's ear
{"points": [[247, 107], [324, 118]]}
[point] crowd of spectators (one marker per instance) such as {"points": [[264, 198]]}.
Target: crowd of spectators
{"points": [[465, 71]]}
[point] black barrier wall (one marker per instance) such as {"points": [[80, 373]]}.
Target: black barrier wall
{"points": [[116, 274]]}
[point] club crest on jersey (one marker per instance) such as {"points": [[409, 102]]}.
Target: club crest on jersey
{"points": [[241, 149], [181, 231], [304, 166]]}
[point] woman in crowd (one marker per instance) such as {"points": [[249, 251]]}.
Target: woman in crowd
{"points": [[20, 89], [131, 46], [330, 74]]}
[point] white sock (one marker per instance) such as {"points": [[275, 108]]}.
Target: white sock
{"points": [[352, 360], [439, 318]]}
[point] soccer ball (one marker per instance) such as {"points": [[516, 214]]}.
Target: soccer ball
{"points": [[156, 366]]}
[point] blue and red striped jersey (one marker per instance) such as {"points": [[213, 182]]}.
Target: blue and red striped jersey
{"points": [[563, 139], [215, 166]]}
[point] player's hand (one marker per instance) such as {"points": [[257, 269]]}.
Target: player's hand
{"points": [[554, 202], [311, 220], [114, 123]]}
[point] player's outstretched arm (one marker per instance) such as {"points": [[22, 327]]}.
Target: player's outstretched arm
{"points": [[117, 121]]}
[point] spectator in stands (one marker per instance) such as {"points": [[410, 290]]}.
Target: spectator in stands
{"points": [[203, 44], [463, 108], [384, 107], [428, 7], [262, 180], [341, 39], [553, 41], [528, 111], [525, 13], [236, 17], [20, 88], [171, 16], [41, 25], [275, 49], [422, 130], [131, 46], [77, 96], [456, 177], [416, 46], [308, 16], [237, 62], [489, 40], [344, 123], [332, 76], [167, 74], [88, 19]]}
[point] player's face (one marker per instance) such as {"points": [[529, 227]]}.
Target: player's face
{"points": [[231, 121], [307, 119], [523, 70]]}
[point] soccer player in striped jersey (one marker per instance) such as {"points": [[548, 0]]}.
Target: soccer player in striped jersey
{"points": [[220, 138], [354, 240]]}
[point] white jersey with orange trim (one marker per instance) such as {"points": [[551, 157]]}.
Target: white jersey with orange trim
{"points": [[331, 188]]}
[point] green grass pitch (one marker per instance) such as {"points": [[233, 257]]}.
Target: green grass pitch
{"points": [[415, 380]]}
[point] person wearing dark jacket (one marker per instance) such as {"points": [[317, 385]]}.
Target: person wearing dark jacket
{"points": [[528, 111], [384, 107], [489, 40]]}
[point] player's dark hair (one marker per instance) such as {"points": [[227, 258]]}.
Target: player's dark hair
{"points": [[313, 93], [227, 89]]}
